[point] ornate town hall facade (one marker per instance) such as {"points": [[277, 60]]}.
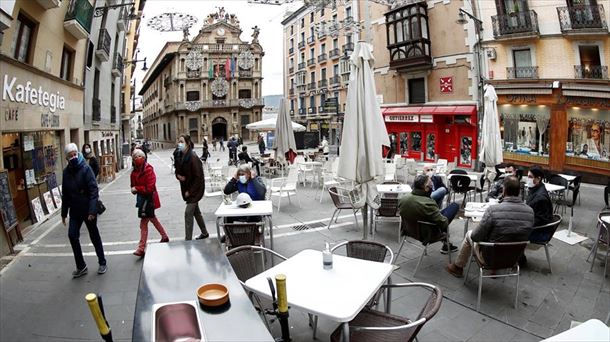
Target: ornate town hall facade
{"points": [[209, 86]]}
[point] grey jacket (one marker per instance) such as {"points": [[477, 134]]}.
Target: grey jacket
{"points": [[510, 221]]}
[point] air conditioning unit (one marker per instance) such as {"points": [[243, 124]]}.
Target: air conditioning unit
{"points": [[491, 53]]}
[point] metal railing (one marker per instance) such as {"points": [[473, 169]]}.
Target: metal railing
{"points": [[291, 91], [311, 85], [291, 50], [522, 72], [301, 45], [245, 73], [518, 23], [311, 40], [322, 57], [311, 61], [117, 64], [302, 111], [348, 47], [96, 112], [335, 80], [598, 72], [82, 12], [582, 17], [291, 70], [323, 83], [103, 42], [334, 53], [112, 114], [301, 65]]}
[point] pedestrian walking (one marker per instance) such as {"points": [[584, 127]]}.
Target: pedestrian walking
{"points": [[205, 153], [214, 143], [261, 144], [143, 185], [189, 171], [79, 199], [232, 146], [91, 160], [222, 144]]}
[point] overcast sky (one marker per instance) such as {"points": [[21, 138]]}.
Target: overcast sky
{"points": [[267, 17]]}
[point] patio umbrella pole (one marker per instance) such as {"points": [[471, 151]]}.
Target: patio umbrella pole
{"points": [[365, 216]]}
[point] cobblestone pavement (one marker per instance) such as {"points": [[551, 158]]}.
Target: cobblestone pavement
{"points": [[39, 300]]}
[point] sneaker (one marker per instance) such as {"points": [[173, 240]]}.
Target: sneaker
{"points": [[452, 249], [139, 252], [455, 270], [102, 269], [79, 273], [164, 239], [203, 236]]}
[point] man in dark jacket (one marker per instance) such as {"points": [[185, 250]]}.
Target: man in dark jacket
{"points": [[509, 221], [243, 156], [497, 189], [418, 206], [261, 145], [189, 171], [540, 201], [80, 196], [232, 146]]}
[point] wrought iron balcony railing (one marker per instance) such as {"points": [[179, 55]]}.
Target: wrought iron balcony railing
{"points": [[334, 53], [349, 47], [291, 50], [515, 24], [301, 65], [302, 111], [598, 72], [322, 58], [112, 114], [245, 73], [311, 85], [582, 17], [335, 80], [323, 83], [311, 61], [522, 72], [313, 110], [78, 18], [117, 65], [291, 70], [103, 45], [291, 91], [311, 40], [301, 45]]}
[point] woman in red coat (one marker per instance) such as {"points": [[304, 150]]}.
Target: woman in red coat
{"points": [[143, 180]]}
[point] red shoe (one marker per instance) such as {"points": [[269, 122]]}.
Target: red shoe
{"points": [[164, 239], [139, 252]]}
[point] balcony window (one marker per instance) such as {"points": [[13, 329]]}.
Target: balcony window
{"points": [[22, 39], [417, 90], [590, 63], [522, 60], [66, 64], [407, 36]]}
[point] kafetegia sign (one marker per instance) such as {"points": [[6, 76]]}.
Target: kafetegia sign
{"points": [[17, 92]]}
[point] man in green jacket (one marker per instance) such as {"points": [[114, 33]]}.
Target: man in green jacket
{"points": [[418, 206]]}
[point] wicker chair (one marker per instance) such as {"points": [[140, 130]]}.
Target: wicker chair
{"points": [[387, 212], [342, 200], [425, 232], [373, 325], [496, 256], [247, 262], [243, 234], [603, 237], [548, 230], [366, 250]]}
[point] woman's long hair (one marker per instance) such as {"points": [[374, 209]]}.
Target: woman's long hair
{"points": [[188, 141]]}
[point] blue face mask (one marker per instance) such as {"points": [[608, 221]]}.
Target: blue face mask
{"points": [[243, 179], [181, 146]]}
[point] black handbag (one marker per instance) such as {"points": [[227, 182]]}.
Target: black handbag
{"points": [[147, 209], [101, 208]]}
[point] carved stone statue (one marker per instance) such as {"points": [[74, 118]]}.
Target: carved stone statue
{"points": [[255, 32]]}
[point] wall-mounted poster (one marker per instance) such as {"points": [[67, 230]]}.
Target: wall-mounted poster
{"points": [[589, 134], [48, 200], [56, 197], [466, 150], [37, 209], [430, 146], [28, 142], [30, 177]]}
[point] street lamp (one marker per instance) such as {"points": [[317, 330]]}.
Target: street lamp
{"points": [[134, 61], [102, 11]]}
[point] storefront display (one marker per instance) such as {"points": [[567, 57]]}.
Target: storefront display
{"points": [[588, 134]]}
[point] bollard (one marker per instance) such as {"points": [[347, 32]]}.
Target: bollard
{"points": [[97, 311], [282, 299]]}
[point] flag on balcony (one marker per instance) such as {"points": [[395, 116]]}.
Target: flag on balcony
{"points": [[228, 69], [233, 62], [216, 70], [211, 71]]}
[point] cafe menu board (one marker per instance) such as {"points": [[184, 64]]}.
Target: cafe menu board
{"points": [[7, 208]]}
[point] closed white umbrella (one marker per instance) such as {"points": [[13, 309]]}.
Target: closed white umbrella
{"points": [[269, 125], [364, 132], [284, 145], [490, 151]]}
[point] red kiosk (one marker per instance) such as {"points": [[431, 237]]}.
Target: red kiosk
{"points": [[425, 132]]}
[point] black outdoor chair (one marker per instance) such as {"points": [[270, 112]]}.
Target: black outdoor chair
{"points": [[559, 196], [494, 257], [425, 232], [603, 238], [243, 234], [547, 230], [575, 184], [373, 325], [460, 184]]}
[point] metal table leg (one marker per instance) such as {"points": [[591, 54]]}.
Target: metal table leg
{"points": [[345, 334], [218, 220]]}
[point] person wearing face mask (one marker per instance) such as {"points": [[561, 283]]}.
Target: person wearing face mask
{"points": [[79, 200], [418, 206], [246, 181], [143, 185], [91, 160], [497, 189], [439, 190], [189, 171], [540, 201]]}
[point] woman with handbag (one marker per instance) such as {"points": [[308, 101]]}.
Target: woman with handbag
{"points": [[143, 180]]}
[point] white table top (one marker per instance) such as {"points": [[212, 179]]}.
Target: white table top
{"points": [[553, 187], [569, 178], [591, 330], [311, 163], [606, 219], [258, 208], [476, 210], [393, 188], [337, 294]]}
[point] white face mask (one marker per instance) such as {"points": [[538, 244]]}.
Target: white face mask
{"points": [[87, 150], [430, 173], [530, 182], [243, 179]]}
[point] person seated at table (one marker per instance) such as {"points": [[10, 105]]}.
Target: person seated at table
{"points": [[497, 189], [439, 190], [418, 206], [244, 157], [509, 221], [246, 181], [540, 201]]}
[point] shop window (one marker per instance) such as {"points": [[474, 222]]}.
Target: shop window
{"points": [[192, 96], [66, 64], [525, 130], [415, 142], [22, 39], [417, 90], [588, 134], [403, 142]]}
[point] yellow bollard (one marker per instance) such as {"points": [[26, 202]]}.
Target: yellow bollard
{"points": [[98, 316], [282, 305]]}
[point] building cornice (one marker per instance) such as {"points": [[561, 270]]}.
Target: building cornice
{"points": [[39, 72]]}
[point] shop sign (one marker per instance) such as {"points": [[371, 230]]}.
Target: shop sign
{"points": [[29, 95], [49, 120], [446, 85], [585, 101], [107, 134], [11, 114], [402, 118], [521, 98], [426, 118]]}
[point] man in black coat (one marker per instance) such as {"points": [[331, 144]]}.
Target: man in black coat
{"points": [[79, 199], [232, 146]]}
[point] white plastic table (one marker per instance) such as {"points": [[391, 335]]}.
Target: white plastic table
{"points": [[569, 178], [338, 294], [393, 188], [554, 187], [474, 211], [258, 208], [606, 219], [590, 331]]}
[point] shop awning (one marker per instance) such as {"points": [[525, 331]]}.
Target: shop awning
{"points": [[434, 110]]}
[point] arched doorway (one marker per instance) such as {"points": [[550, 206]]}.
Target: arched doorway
{"points": [[219, 128]]}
